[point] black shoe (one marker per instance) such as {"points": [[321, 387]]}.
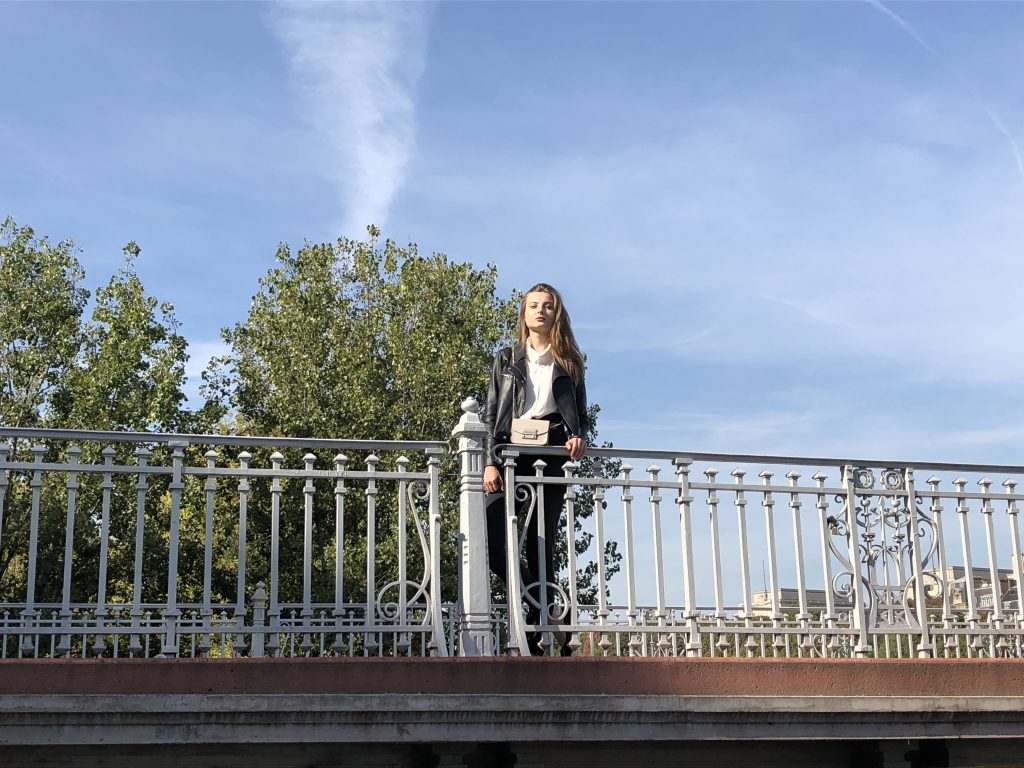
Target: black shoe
{"points": [[533, 643]]}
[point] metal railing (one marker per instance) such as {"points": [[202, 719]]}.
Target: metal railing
{"points": [[133, 544], [147, 544], [856, 558]]}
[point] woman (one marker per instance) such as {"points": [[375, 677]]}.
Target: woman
{"points": [[540, 377]]}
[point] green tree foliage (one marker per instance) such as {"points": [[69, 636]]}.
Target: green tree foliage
{"points": [[359, 340], [131, 368], [122, 369], [41, 335]]}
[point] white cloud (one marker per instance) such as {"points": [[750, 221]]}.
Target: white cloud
{"points": [[356, 66]]}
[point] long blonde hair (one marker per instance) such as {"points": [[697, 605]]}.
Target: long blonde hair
{"points": [[563, 342]]}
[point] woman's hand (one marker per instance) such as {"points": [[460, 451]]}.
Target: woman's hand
{"points": [[492, 479], [577, 447]]}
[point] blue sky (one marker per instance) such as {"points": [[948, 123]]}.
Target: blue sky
{"points": [[785, 228]]}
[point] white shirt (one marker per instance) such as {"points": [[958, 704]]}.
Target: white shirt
{"points": [[540, 368]]}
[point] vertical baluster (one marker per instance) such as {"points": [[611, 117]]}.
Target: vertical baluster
{"points": [[965, 539], [768, 502], [925, 645], [716, 558], [210, 489], [740, 503], [5, 452], [29, 614], [602, 577], [829, 617], [1018, 576], [858, 615], [940, 550], [627, 511], [64, 646], [569, 469], [171, 612], [996, 621], [690, 614], [244, 457], [402, 640], [274, 614], [340, 461], [308, 491], [371, 644], [804, 642], [516, 620], [543, 601], [659, 566], [438, 646], [141, 484], [99, 645]]}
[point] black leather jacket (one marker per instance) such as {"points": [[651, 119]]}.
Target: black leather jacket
{"points": [[506, 399]]}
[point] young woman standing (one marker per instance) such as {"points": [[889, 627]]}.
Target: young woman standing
{"points": [[540, 378]]}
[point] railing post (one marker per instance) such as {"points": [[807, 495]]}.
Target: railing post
{"points": [[476, 637], [259, 620], [438, 645], [858, 614], [925, 645], [171, 613]]}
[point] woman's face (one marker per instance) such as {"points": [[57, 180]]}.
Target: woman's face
{"points": [[539, 312]]}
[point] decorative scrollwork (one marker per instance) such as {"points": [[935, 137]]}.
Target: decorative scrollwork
{"points": [[558, 600], [526, 494], [892, 480], [895, 540], [863, 478], [391, 610]]}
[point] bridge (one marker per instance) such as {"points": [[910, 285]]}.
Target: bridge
{"points": [[293, 601]]}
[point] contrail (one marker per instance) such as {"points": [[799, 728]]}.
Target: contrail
{"points": [[356, 66], [992, 116]]}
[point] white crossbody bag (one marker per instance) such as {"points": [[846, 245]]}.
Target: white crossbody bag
{"points": [[530, 431]]}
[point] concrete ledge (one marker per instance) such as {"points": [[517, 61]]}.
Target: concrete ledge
{"points": [[508, 700]]}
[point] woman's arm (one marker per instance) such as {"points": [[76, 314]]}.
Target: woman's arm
{"points": [[492, 475], [577, 444]]}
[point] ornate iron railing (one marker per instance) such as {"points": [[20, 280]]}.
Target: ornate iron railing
{"points": [[161, 544], [142, 544], [858, 558]]}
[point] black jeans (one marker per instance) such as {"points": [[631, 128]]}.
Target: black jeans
{"points": [[553, 495]]}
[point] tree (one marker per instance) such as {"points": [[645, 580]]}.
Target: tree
{"points": [[41, 304], [131, 369], [121, 370], [360, 340]]}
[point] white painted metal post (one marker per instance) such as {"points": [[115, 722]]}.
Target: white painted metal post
{"points": [[861, 649], [74, 453], [308, 492], [438, 645], [516, 619], [239, 645], [171, 613], [476, 637], [99, 646], [142, 455], [926, 645]]}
